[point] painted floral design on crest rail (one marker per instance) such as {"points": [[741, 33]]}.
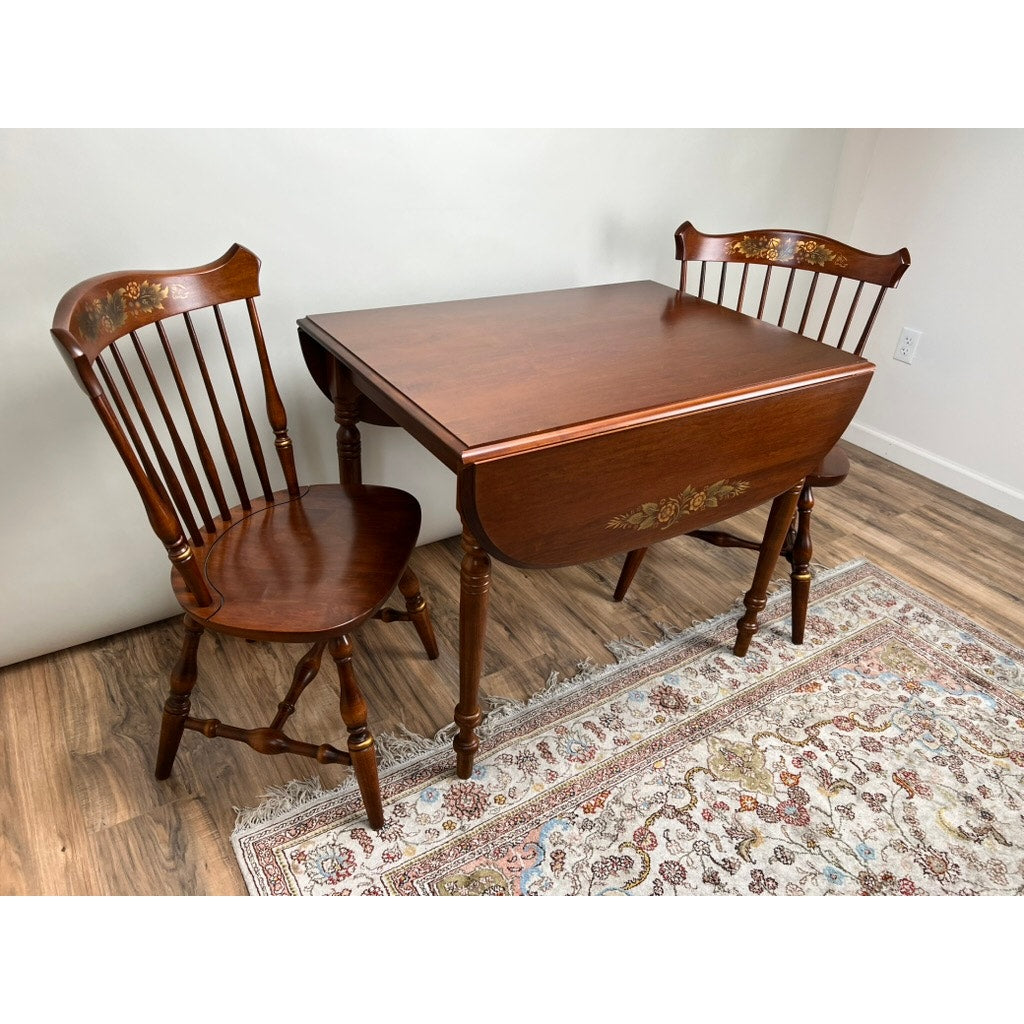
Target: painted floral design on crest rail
{"points": [[662, 514], [111, 313], [788, 250]]}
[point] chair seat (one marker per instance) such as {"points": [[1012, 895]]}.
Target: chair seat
{"points": [[307, 568], [832, 470]]}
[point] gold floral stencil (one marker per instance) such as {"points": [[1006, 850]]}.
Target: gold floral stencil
{"points": [[109, 314], [663, 513], [788, 250]]}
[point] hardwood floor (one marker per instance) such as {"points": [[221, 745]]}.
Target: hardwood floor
{"points": [[80, 811]]}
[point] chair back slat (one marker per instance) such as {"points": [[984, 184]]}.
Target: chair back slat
{"points": [[764, 292], [808, 303], [227, 445], [721, 283], [166, 476], [162, 428], [251, 433], [199, 439], [849, 316], [827, 317], [863, 340], [154, 497], [785, 298], [275, 407], [185, 464], [127, 427], [795, 299], [743, 286]]}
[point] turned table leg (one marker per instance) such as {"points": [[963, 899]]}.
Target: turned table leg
{"points": [[800, 559], [346, 415], [756, 598], [473, 601]]}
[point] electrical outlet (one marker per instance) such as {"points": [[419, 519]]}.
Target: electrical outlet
{"points": [[906, 347]]}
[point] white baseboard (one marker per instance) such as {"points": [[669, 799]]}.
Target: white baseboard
{"points": [[966, 481]]}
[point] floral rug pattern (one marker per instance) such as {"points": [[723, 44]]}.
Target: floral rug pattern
{"points": [[883, 756]]}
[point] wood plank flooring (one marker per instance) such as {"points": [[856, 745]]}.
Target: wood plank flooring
{"points": [[80, 811]]}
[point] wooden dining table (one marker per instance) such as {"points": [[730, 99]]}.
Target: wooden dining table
{"points": [[586, 422]]}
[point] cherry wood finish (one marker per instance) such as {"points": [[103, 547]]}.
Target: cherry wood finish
{"points": [[580, 420], [816, 286], [292, 563]]}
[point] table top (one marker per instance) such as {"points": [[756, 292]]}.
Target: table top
{"points": [[484, 377]]}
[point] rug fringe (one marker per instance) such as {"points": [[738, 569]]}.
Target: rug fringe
{"points": [[395, 749], [280, 800]]}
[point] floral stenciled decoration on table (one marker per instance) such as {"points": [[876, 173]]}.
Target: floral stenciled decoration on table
{"points": [[663, 513], [789, 250], [103, 316]]}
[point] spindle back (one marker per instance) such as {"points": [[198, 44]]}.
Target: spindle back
{"points": [[834, 314], [153, 351]]}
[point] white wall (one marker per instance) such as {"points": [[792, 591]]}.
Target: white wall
{"points": [[342, 217], [953, 198]]}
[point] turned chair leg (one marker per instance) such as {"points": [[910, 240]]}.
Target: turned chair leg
{"points": [[360, 740], [418, 611], [629, 568], [800, 560], [176, 707]]}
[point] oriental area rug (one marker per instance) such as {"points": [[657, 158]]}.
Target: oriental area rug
{"points": [[884, 756]]}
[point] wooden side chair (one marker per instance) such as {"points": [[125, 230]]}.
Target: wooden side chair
{"points": [[249, 557], [823, 289]]}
